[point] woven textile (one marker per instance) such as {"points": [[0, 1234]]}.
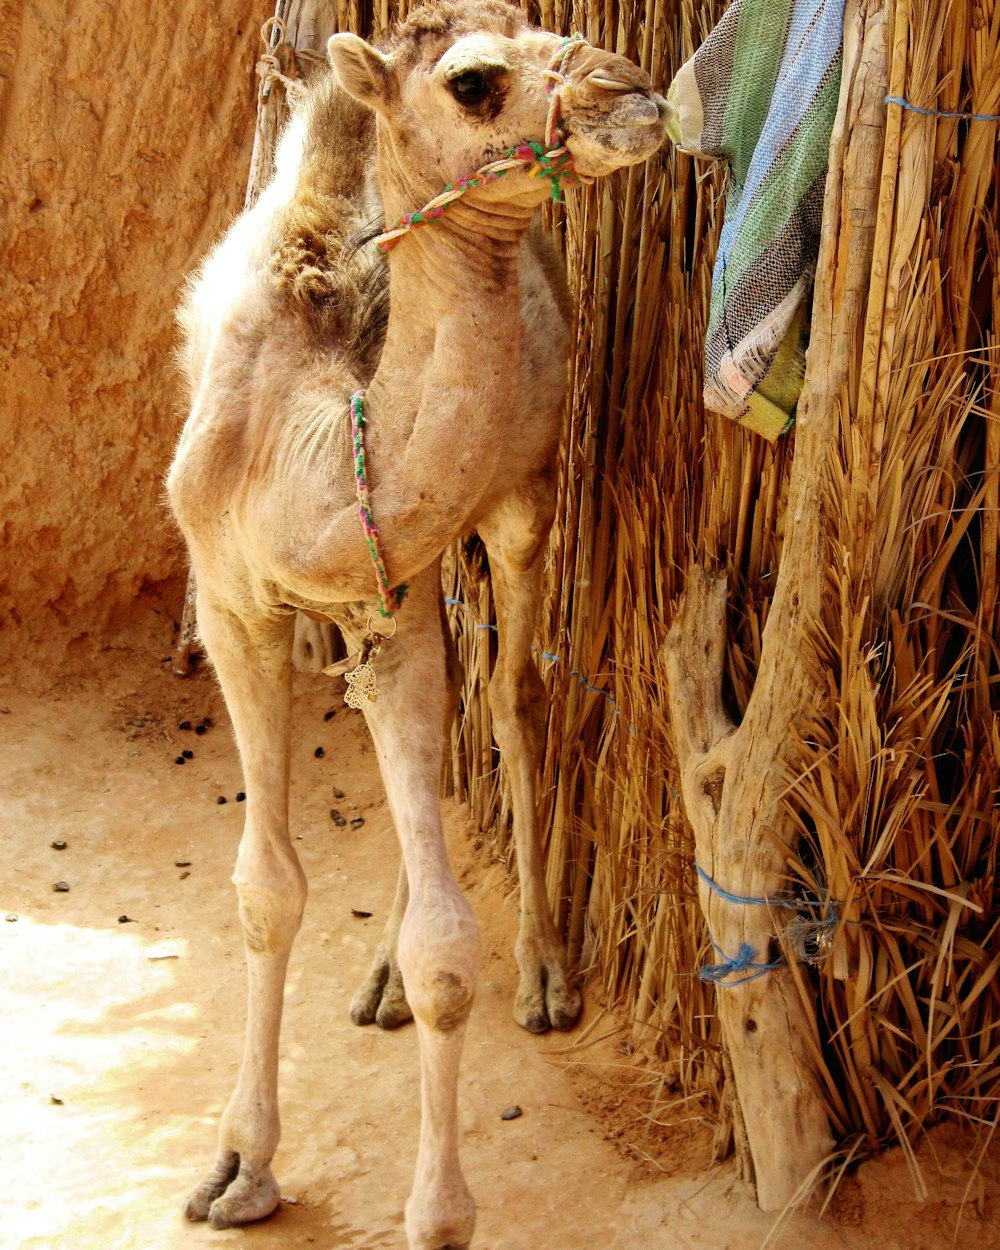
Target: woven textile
{"points": [[761, 93]]}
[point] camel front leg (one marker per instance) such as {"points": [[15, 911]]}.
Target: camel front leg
{"points": [[253, 662], [515, 538], [438, 942]]}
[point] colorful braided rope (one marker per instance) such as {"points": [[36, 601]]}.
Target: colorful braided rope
{"points": [[388, 598], [550, 159]]}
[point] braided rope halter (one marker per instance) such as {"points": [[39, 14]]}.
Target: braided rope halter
{"points": [[551, 160]]}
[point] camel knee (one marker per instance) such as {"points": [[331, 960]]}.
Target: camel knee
{"points": [[271, 915], [439, 960]]}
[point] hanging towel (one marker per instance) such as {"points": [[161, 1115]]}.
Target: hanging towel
{"points": [[761, 93]]}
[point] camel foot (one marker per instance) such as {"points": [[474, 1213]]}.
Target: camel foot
{"points": [[381, 999], [233, 1194], [428, 1229], [545, 999]]}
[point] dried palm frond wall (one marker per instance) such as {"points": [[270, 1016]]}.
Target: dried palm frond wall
{"points": [[898, 766]]}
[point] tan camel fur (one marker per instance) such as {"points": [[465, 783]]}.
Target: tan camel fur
{"points": [[463, 403]]}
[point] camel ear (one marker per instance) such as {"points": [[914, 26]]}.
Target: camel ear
{"points": [[362, 70]]}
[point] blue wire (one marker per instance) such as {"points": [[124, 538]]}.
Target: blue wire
{"points": [[744, 960], [745, 900], [915, 108]]}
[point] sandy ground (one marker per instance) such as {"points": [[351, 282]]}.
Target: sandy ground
{"points": [[121, 1008]]}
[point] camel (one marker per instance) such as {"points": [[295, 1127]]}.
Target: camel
{"points": [[443, 420]]}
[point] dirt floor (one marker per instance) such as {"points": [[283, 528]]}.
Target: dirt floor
{"points": [[121, 1006]]}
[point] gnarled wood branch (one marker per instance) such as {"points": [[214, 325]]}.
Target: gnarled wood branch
{"points": [[733, 776]]}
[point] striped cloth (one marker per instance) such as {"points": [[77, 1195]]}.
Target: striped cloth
{"points": [[761, 93]]}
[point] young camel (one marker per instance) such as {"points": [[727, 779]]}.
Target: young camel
{"points": [[462, 408]]}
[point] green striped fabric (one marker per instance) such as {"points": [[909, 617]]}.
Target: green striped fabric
{"points": [[761, 93]]}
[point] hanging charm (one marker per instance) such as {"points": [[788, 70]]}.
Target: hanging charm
{"points": [[361, 683], [361, 686]]}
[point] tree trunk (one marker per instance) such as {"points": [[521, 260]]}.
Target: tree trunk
{"points": [[734, 777]]}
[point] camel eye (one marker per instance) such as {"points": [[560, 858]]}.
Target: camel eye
{"points": [[470, 87]]}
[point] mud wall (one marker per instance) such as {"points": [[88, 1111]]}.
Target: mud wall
{"points": [[125, 136]]}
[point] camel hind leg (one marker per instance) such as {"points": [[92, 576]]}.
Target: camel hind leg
{"points": [[515, 537], [252, 657]]}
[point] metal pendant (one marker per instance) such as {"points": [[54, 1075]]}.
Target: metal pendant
{"points": [[361, 686]]}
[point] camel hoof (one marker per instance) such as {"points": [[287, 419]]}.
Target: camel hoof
{"points": [[545, 1000], [253, 1195], [199, 1200], [382, 999]]}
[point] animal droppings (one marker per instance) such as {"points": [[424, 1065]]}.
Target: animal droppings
{"points": [[337, 819], [337, 794], [361, 915], [330, 715], [123, 919], [180, 760], [357, 822], [240, 797], [188, 755], [201, 729], [221, 799], [512, 1113], [319, 753], [207, 722], [58, 845], [185, 724], [61, 887]]}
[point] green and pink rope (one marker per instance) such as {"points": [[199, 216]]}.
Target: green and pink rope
{"points": [[388, 597], [551, 159]]}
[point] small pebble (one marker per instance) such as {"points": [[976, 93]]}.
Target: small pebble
{"points": [[184, 876], [337, 819], [180, 760], [201, 729], [361, 915], [182, 863], [188, 755], [185, 724], [56, 1102], [330, 715], [319, 753], [61, 887], [10, 918], [357, 822], [512, 1113], [221, 799], [240, 796], [337, 794], [207, 722], [123, 919], [58, 846]]}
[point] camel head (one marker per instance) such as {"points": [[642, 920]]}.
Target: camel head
{"points": [[462, 83]]}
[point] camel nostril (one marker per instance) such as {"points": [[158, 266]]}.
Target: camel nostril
{"points": [[608, 83]]}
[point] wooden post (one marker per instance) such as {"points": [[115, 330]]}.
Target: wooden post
{"points": [[734, 777]]}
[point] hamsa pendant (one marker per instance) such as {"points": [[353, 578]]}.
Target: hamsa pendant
{"points": [[361, 686]]}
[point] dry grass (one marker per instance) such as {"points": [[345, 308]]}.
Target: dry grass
{"points": [[897, 773]]}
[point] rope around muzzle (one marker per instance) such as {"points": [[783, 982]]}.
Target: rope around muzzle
{"points": [[550, 159]]}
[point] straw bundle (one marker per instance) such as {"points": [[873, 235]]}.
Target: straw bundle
{"points": [[891, 780], [887, 783]]}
